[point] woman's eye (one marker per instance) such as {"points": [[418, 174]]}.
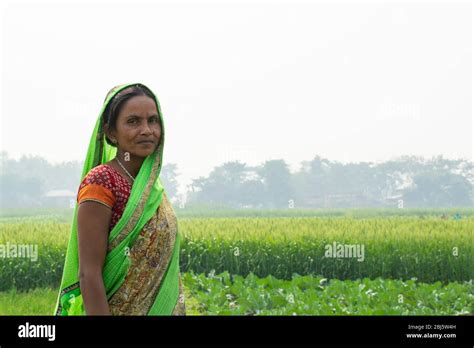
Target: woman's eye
{"points": [[132, 121]]}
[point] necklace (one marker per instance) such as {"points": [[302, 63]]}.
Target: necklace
{"points": [[126, 171]]}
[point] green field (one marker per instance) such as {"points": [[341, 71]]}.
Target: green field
{"points": [[224, 294], [412, 262]]}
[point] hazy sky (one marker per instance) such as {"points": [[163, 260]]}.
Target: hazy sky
{"points": [[249, 81]]}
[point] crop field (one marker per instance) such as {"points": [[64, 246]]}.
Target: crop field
{"points": [[352, 262]]}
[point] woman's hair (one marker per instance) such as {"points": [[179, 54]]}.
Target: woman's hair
{"points": [[113, 108]]}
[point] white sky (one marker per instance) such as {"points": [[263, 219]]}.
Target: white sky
{"points": [[249, 81]]}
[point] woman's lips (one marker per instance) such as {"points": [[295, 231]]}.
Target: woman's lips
{"points": [[146, 143]]}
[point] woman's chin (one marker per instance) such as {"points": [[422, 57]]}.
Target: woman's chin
{"points": [[145, 152]]}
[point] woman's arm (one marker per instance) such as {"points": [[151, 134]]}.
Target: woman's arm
{"points": [[93, 221]]}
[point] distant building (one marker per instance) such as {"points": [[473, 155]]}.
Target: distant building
{"points": [[59, 198], [344, 200], [394, 201]]}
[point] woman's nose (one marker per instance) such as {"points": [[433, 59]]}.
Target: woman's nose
{"points": [[146, 129]]}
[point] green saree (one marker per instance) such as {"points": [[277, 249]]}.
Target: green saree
{"points": [[141, 269]]}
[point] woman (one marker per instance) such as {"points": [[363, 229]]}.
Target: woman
{"points": [[123, 251]]}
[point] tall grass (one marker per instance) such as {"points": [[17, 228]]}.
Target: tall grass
{"points": [[429, 249]]}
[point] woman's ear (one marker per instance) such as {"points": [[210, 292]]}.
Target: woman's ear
{"points": [[110, 134]]}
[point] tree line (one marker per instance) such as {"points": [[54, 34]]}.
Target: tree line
{"points": [[408, 181]]}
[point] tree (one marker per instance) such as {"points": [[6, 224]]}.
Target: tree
{"points": [[439, 190], [168, 176], [223, 186], [277, 183]]}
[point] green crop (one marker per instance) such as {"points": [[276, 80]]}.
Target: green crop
{"points": [[429, 249], [403, 248], [226, 294]]}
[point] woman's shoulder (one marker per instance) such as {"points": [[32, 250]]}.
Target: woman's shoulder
{"points": [[98, 185], [102, 175]]}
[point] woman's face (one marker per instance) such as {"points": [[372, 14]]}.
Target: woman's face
{"points": [[138, 128]]}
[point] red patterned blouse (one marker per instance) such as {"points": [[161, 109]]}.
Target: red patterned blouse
{"points": [[104, 184]]}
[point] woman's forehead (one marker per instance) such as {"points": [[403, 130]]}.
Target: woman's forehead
{"points": [[140, 104]]}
